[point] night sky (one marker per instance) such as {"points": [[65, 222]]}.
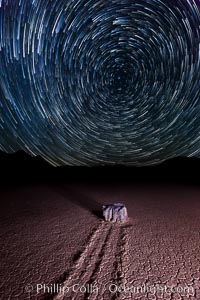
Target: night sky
{"points": [[100, 82]]}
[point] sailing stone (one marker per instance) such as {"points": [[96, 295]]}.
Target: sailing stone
{"points": [[116, 212]]}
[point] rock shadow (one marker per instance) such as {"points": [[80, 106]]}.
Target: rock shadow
{"points": [[81, 199]]}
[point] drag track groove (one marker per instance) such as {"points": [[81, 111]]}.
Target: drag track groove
{"points": [[125, 264], [103, 263]]}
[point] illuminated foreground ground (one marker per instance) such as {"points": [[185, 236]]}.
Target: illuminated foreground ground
{"points": [[54, 240]]}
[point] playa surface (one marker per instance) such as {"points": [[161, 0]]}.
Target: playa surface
{"points": [[55, 244]]}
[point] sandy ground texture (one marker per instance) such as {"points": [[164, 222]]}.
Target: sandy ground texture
{"points": [[55, 245]]}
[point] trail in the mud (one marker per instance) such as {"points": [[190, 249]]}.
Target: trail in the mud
{"points": [[102, 267]]}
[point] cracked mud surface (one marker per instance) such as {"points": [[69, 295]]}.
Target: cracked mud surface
{"points": [[53, 237]]}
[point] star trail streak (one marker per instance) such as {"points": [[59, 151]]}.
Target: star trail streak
{"points": [[100, 82]]}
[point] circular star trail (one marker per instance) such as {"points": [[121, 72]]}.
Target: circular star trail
{"points": [[100, 82]]}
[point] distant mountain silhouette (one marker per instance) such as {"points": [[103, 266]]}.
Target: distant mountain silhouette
{"points": [[21, 167], [21, 159]]}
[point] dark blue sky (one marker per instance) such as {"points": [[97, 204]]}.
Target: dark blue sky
{"points": [[100, 82]]}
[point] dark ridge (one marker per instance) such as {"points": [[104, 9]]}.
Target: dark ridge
{"points": [[20, 167], [21, 159]]}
